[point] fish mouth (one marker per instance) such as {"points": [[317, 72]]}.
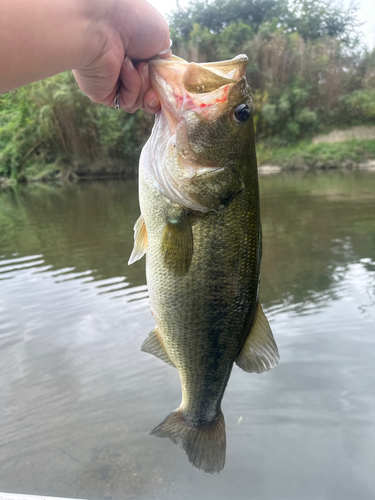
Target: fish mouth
{"points": [[201, 88], [191, 93]]}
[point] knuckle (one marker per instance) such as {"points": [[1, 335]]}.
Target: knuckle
{"points": [[128, 99]]}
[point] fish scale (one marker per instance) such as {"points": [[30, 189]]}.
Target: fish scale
{"points": [[202, 266]]}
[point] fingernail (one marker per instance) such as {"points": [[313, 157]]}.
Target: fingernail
{"points": [[128, 63], [154, 102], [142, 68]]}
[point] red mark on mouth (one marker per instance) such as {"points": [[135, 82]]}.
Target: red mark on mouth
{"points": [[188, 102], [179, 100], [184, 102], [218, 100], [225, 95]]}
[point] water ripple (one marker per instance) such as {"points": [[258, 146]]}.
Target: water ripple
{"points": [[78, 398]]}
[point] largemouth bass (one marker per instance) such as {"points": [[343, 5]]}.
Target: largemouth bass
{"points": [[200, 229]]}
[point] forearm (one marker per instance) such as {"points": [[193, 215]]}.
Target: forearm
{"points": [[39, 38]]}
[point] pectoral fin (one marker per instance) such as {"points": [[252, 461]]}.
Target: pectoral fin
{"points": [[140, 241], [177, 244], [259, 352], [154, 345]]}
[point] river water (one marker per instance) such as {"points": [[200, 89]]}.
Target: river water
{"points": [[78, 398]]}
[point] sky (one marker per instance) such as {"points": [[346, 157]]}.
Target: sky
{"points": [[366, 15]]}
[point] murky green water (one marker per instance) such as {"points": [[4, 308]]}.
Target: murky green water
{"points": [[78, 398]]}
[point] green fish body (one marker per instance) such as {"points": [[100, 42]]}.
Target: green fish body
{"points": [[200, 229]]}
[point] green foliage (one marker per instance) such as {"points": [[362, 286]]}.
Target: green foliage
{"points": [[289, 115], [314, 19], [310, 18], [322, 155], [359, 106], [305, 65], [306, 70], [51, 129], [203, 44], [216, 15], [17, 129]]}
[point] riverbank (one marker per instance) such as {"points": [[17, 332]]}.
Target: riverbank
{"points": [[75, 172], [313, 154], [307, 154]]}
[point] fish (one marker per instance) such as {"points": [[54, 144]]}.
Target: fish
{"points": [[200, 230]]}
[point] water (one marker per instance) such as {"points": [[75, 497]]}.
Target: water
{"points": [[78, 398]]}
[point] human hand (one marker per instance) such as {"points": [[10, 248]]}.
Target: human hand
{"points": [[132, 31]]}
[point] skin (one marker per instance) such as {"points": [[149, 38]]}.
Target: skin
{"points": [[200, 229], [205, 314], [100, 41]]}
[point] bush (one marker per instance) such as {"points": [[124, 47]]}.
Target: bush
{"points": [[359, 106], [51, 128]]}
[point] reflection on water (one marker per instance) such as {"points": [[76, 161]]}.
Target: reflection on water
{"points": [[78, 398]]}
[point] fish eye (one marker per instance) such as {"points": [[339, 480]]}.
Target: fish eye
{"points": [[242, 113]]}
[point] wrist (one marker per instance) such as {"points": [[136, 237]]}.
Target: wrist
{"points": [[97, 26], [137, 26]]}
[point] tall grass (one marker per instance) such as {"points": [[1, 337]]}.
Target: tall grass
{"points": [[300, 86], [304, 154], [51, 129]]}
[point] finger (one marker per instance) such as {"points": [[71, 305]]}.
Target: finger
{"points": [[166, 56], [130, 84], [151, 102], [142, 69], [149, 32]]}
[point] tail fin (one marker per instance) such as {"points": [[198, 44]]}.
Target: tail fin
{"points": [[204, 445]]}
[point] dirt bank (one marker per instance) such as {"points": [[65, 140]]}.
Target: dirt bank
{"points": [[360, 133]]}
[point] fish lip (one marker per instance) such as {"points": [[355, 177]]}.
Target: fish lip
{"points": [[165, 90], [174, 159], [216, 66], [168, 80]]}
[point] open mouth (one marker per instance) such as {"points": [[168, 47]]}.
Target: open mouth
{"points": [[200, 88]]}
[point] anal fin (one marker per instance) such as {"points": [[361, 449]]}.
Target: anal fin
{"points": [[140, 241], [153, 345], [259, 353]]}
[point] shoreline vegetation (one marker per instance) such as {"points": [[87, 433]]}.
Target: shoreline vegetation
{"points": [[303, 155], [308, 71]]}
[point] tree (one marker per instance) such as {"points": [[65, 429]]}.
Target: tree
{"points": [[216, 15], [312, 19]]}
